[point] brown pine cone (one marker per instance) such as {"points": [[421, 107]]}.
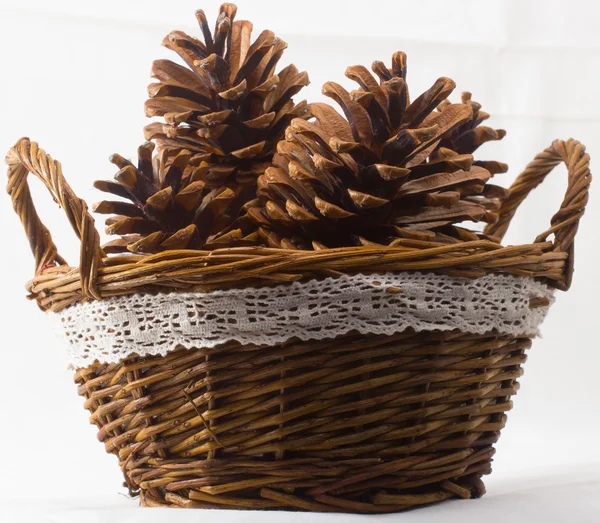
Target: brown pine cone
{"points": [[173, 204], [228, 107], [389, 169]]}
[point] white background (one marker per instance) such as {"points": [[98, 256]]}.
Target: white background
{"points": [[73, 78]]}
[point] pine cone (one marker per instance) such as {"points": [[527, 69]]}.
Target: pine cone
{"points": [[389, 169], [173, 203], [227, 108]]}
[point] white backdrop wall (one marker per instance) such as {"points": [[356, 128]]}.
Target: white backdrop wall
{"points": [[73, 78]]}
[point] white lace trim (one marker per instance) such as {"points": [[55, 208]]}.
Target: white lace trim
{"points": [[148, 324]]}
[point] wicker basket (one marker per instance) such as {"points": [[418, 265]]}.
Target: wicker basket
{"points": [[360, 423]]}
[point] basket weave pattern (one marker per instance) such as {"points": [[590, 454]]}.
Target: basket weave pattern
{"points": [[361, 424], [358, 423]]}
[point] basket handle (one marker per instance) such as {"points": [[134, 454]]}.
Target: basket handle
{"points": [[565, 222], [24, 158]]}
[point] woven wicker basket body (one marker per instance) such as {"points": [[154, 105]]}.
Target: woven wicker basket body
{"points": [[365, 424], [358, 423]]}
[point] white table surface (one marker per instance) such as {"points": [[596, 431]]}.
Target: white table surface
{"points": [[569, 495]]}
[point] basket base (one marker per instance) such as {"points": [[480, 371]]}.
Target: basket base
{"points": [[380, 497], [355, 424]]}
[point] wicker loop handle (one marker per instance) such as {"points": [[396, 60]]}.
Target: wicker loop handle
{"points": [[24, 158], [565, 222]]}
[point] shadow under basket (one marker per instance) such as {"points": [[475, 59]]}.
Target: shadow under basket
{"points": [[361, 422]]}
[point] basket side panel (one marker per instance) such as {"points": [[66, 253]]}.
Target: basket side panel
{"points": [[356, 424]]}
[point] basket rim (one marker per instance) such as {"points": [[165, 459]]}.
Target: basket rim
{"points": [[59, 286]]}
